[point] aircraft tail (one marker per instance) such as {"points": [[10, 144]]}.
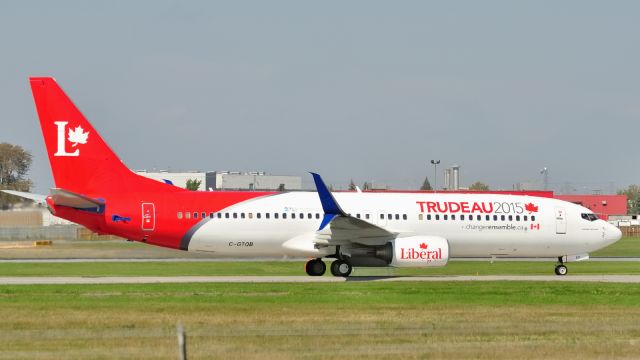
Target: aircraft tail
{"points": [[81, 161]]}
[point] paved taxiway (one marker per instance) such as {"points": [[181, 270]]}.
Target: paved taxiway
{"points": [[42, 280]]}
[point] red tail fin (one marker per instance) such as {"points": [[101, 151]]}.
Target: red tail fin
{"points": [[80, 160]]}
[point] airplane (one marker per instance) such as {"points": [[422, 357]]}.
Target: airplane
{"points": [[354, 229]]}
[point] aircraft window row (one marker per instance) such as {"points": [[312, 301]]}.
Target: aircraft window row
{"points": [[242, 215], [469, 217], [590, 217]]}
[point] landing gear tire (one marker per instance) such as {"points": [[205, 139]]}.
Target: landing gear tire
{"points": [[561, 270], [315, 267], [341, 268]]}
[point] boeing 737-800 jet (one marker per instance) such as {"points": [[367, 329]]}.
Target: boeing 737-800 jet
{"points": [[95, 189]]}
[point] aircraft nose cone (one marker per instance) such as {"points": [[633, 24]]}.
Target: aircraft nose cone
{"points": [[612, 234]]}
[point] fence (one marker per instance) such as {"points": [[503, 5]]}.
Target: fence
{"points": [[56, 232]]}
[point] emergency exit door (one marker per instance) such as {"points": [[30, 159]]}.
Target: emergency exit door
{"points": [[148, 216], [561, 221]]}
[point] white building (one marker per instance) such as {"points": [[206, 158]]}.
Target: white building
{"points": [[228, 180]]}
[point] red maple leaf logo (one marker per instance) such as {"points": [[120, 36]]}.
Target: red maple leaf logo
{"points": [[423, 246], [530, 208]]}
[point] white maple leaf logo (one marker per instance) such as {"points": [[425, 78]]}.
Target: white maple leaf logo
{"points": [[78, 136]]}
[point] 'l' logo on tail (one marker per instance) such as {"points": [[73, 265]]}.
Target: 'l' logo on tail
{"points": [[76, 136]]}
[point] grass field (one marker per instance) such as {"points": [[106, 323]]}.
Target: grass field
{"points": [[297, 268], [502, 320], [355, 320]]}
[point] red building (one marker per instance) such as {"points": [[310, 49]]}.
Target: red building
{"points": [[602, 205]]}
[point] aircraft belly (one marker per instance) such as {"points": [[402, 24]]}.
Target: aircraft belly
{"points": [[227, 240]]}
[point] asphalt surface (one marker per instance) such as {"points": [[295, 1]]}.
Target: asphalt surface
{"points": [[33, 280], [126, 260]]}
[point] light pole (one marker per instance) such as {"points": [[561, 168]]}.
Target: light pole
{"points": [[435, 173]]}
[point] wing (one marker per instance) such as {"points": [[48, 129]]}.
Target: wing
{"points": [[340, 228]]}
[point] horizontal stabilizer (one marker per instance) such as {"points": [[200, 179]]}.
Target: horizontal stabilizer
{"points": [[38, 198], [63, 197]]}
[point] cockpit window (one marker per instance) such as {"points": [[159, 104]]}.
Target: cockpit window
{"points": [[590, 217]]}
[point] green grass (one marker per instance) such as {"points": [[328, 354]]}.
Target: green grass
{"points": [[627, 246], [274, 268], [493, 320], [297, 268]]}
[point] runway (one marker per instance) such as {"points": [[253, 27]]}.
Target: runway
{"points": [[82, 280], [191, 260]]}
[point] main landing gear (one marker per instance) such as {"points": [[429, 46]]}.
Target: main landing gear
{"points": [[560, 268], [316, 267]]}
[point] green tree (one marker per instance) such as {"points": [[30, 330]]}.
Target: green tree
{"points": [[14, 165], [633, 198], [193, 184], [479, 186], [426, 185]]}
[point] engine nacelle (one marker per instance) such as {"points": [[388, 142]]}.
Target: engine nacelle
{"points": [[420, 251]]}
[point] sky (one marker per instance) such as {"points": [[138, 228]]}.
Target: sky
{"points": [[362, 90]]}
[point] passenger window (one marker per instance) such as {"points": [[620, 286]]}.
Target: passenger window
{"points": [[488, 217], [390, 217], [453, 216], [242, 215], [479, 217], [301, 216], [445, 217], [397, 216], [250, 215], [470, 217], [533, 218], [517, 217], [309, 216], [275, 215], [284, 215], [179, 214], [219, 215], [266, 215], [502, 217], [495, 217], [404, 216], [428, 216], [211, 215], [381, 216], [358, 216], [226, 215], [510, 217], [293, 216], [204, 215], [437, 217], [317, 216], [366, 216], [525, 218], [420, 217], [187, 215], [462, 217], [258, 216], [195, 215]]}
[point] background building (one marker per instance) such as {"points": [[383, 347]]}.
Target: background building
{"points": [[228, 180]]}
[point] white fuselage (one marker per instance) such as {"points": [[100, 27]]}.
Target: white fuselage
{"points": [[475, 225]]}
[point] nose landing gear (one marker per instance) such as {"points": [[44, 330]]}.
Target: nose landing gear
{"points": [[561, 269]]}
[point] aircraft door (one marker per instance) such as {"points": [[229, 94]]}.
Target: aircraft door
{"points": [[148, 216], [561, 221]]}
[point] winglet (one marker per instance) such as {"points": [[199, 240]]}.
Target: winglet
{"points": [[329, 203]]}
